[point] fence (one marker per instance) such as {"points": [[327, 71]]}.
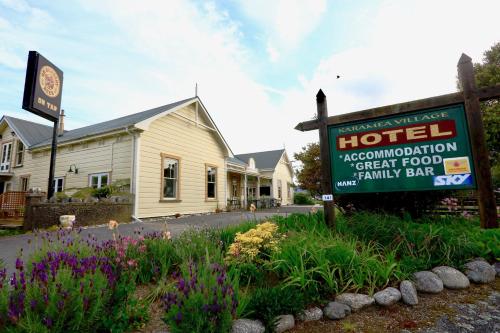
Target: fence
{"points": [[45, 214]]}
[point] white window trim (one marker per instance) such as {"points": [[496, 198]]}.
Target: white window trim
{"points": [[99, 182], [55, 184], [207, 166]]}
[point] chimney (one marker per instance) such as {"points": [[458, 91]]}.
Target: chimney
{"points": [[60, 132]]}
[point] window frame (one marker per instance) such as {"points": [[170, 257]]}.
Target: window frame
{"points": [[177, 198], [99, 183], [63, 184], [207, 166], [21, 179], [9, 151], [17, 164]]}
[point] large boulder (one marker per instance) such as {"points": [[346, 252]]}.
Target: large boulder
{"points": [[355, 301], [284, 323], [408, 292], [247, 326], [428, 282], [480, 271], [387, 297], [310, 314], [451, 277], [336, 310], [496, 266]]}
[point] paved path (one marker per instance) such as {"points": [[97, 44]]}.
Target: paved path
{"points": [[10, 247]]}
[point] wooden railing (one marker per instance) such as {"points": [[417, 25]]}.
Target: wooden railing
{"points": [[12, 204]]}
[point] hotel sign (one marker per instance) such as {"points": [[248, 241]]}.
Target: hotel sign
{"points": [[423, 150], [42, 87]]}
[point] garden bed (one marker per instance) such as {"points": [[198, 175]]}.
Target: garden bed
{"points": [[203, 280]]}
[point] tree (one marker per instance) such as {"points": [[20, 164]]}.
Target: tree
{"points": [[488, 74], [309, 175]]}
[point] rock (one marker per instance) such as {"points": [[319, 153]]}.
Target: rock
{"points": [[67, 221], [336, 310], [428, 282], [247, 326], [310, 314], [408, 292], [355, 301], [479, 271], [451, 277], [284, 323], [387, 297], [496, 266]]}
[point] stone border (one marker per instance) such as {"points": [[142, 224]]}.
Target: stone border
{"points": [[434, 281]]}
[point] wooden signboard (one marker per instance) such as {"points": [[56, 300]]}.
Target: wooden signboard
{"points": [[365, 151]]}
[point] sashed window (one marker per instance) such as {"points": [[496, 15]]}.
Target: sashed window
{"points": [[170, 178], [24, 183], [98, 180], [19, 153], [211, 182]]}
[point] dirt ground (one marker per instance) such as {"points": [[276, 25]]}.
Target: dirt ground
{"points": [[398, 317]]}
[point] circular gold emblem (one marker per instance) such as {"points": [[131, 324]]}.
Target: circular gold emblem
{"points": [[49, 81]]}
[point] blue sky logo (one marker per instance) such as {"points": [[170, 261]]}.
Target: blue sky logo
{"points": [[464, 179]]}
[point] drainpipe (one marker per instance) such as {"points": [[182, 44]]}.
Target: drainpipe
{"points": [[133, 183]]}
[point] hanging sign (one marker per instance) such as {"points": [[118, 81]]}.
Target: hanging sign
{"points": [[423, 150], [42, 87]]}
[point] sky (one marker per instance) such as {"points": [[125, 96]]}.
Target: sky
{"points": [[258, 64]]}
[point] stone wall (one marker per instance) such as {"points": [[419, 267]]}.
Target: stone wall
{"points": [[40, 214]]}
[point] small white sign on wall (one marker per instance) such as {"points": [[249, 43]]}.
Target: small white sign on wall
{"points": [[327, 197]]}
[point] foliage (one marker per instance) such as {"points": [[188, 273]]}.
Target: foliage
{"points": [[83, 193], [302, 198], [267, 303], [204, 299], [255, 245], [102, 192], [425, 243], [61, 293], [323, 263], [309, 175], [488, 74]]}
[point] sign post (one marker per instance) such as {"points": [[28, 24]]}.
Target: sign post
{"points": [[324, 146], [435, 143], [42, 96], [486, 197]]}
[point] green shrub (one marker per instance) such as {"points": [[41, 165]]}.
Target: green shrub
{"points": [[102, 192], [303, 198], [266, 304]]}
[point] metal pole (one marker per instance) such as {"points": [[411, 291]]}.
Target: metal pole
{"points": [[53, 151], [487, 205], [324, 147]]}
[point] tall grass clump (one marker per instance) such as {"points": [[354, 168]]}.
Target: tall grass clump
{"points": [[325, 264], [424, 243]]}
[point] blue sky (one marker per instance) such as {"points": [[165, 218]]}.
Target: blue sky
{"points": [[258, 63]]}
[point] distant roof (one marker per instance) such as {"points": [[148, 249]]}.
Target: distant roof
{"points": [[29, 132], [264, 159], [111, 125], [236, 161]]}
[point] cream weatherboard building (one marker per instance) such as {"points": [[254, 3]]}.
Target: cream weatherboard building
{"points": [[173, 159]]}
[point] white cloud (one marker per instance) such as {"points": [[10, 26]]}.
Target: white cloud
{"points": [[286, 22], [272, 52], [411, 53]]}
